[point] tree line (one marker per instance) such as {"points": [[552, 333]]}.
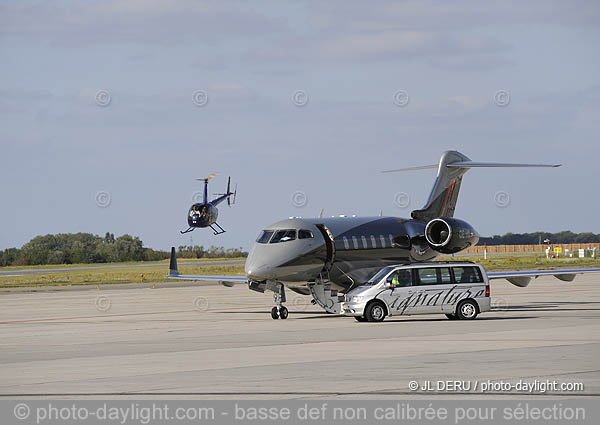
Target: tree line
{"points": [[565, 237], [69, 248]]}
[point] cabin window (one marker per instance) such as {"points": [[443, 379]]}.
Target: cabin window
{"points": [[264, 236], [391, 240], [346, 244], [364, 242], [283, 236], [382, 239], [355, 242], [373, 241], [305, 234]]}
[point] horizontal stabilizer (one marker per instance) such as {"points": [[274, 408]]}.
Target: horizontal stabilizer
{"points": [[422, 167], [472, 164]]}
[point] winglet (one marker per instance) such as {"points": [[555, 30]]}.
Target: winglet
{"points": [[173, 263]]}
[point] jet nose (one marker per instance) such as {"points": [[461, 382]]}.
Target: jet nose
{"points": [[256, 267], [260, 273]]}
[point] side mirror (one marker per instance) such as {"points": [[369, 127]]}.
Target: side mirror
{"points": [[388, 283]]}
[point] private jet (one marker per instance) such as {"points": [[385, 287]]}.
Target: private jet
{"points": [[326, 257]]}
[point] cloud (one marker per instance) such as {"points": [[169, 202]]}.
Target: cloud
{"points": [[399, 45], [76, 23], [345, 16], [350, 56]]}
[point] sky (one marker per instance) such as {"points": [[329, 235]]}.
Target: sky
{"points": [[110, 109]]}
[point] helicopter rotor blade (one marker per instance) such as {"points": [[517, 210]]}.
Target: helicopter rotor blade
{"points": [[210, 177]]}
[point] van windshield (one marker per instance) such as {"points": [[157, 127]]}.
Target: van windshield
{"points": [[379, 275]]}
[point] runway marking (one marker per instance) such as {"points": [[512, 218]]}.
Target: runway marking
{"points": [[300, 393]]}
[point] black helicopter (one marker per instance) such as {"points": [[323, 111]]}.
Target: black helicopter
{"points": [[205, 214]]}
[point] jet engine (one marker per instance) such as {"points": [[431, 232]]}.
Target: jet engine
{"points": [[450, 235]]}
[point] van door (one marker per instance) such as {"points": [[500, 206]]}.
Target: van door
{"points": [[468, 283], [431, 285], [401, 281]]}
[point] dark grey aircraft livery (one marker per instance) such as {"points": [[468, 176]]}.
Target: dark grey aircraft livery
{"points": [[322, 257]]}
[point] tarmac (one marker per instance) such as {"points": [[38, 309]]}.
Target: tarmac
{"points": [[207, 341]]}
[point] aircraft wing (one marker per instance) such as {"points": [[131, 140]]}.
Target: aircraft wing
{"points": [[224, 280], [523, 277]]}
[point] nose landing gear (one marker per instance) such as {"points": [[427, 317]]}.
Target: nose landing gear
{"points": [[279, 311]]}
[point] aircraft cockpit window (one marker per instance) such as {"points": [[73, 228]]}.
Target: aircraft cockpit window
{"points": [[264, 236], [305, 234], [283, 236]]}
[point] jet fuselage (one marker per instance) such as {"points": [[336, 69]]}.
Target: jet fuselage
{"points": [[345, 250]]}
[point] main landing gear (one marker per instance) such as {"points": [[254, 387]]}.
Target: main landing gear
{"points": [[279, 311]]}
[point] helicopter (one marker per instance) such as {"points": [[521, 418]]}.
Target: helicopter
{"points": [[204, 214]]}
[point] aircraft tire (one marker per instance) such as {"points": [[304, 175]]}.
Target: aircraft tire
{"points": [[274, 313], [283, 313]]}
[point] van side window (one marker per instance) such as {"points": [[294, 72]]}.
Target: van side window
{"points": [[400, 278], [427, 276], [467, 274], [434, 276], [445, 277]]}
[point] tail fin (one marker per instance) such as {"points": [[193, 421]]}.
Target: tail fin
{"points": [[173, 271], [228, 190], [444, 194]]}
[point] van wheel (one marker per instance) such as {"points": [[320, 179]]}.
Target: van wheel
{"points": [[360, 318], [452, 316], [375, 312], [467, 310]]}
